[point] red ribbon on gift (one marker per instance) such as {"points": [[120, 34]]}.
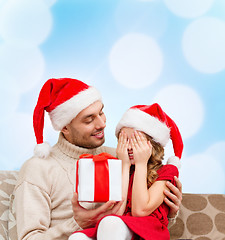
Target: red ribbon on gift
{"points": [[101, 175]]}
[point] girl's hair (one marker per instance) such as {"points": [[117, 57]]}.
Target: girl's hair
{"points": [[154, 162]]}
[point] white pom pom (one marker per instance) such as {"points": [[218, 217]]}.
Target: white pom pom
{"points": [[42, 150], [174, 161]]}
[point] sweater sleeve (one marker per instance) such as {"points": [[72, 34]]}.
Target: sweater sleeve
{"points": [[33, 209], [172, 221]]}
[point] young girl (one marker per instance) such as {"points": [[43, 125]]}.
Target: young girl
{"points": [[142, 135]]}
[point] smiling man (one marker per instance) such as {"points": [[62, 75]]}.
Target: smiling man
{"points": [[46, 181], [87, 129]]}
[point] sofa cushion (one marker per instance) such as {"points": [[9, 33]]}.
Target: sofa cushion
{"points": [[12, 231], [3, 232], [7, 184], [201, 216]]}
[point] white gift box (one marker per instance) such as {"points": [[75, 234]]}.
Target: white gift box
{"points": [[99, 179]]}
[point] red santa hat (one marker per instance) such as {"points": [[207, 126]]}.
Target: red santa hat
{"points": [[63, 99], [153, 121]]}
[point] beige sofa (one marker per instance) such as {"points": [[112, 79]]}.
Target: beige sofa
{"points": [[201, 217]]}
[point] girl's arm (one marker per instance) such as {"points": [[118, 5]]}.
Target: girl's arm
{"points": [[122, 153], [144, 200]]}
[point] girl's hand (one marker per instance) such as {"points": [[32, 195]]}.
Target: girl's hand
{"points": [[122, 148], [142, 148]]}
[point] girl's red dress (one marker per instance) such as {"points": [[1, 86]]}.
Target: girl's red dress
{"points": [[152, 227]]}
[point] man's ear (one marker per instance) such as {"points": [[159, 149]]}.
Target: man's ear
{"points": [[66, 133], [65, 130]]}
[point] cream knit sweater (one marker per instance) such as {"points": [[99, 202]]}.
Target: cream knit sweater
{"points": [[44, 191]]}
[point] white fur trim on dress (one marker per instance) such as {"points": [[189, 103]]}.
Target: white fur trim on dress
{"points": [[65, 112], [42, 150], [139, 120], [174, 161]]}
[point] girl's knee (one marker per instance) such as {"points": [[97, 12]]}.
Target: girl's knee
{"points": [[111, 221], [112, 227], [79, 236]]}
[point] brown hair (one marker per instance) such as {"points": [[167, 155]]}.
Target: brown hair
{"points": [[154, 162]]}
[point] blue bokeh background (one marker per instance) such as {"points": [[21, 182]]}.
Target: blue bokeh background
{"points": [[134, 52]]}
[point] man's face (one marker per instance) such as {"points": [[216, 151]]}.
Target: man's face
{"points": [[87, 128]]}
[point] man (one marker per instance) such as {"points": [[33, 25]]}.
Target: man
{"points": [[45, 185]]}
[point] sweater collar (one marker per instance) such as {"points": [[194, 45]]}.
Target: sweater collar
{"points": [[74, 151]]}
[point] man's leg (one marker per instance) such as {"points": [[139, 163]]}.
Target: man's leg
{"points": [[79, 236], [111, 228]]}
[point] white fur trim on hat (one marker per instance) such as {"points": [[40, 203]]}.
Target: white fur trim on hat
{"points": [[174, 161], [139, 120], [65, 112], [42, 150]]}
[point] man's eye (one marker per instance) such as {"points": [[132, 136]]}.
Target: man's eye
{"points": [[88, 121]]}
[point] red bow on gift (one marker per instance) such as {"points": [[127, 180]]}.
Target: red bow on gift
{"points": [[101, 175], [100, 157]]}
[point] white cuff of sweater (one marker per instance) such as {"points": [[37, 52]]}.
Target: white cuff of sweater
{"points": [[173, 220]]}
